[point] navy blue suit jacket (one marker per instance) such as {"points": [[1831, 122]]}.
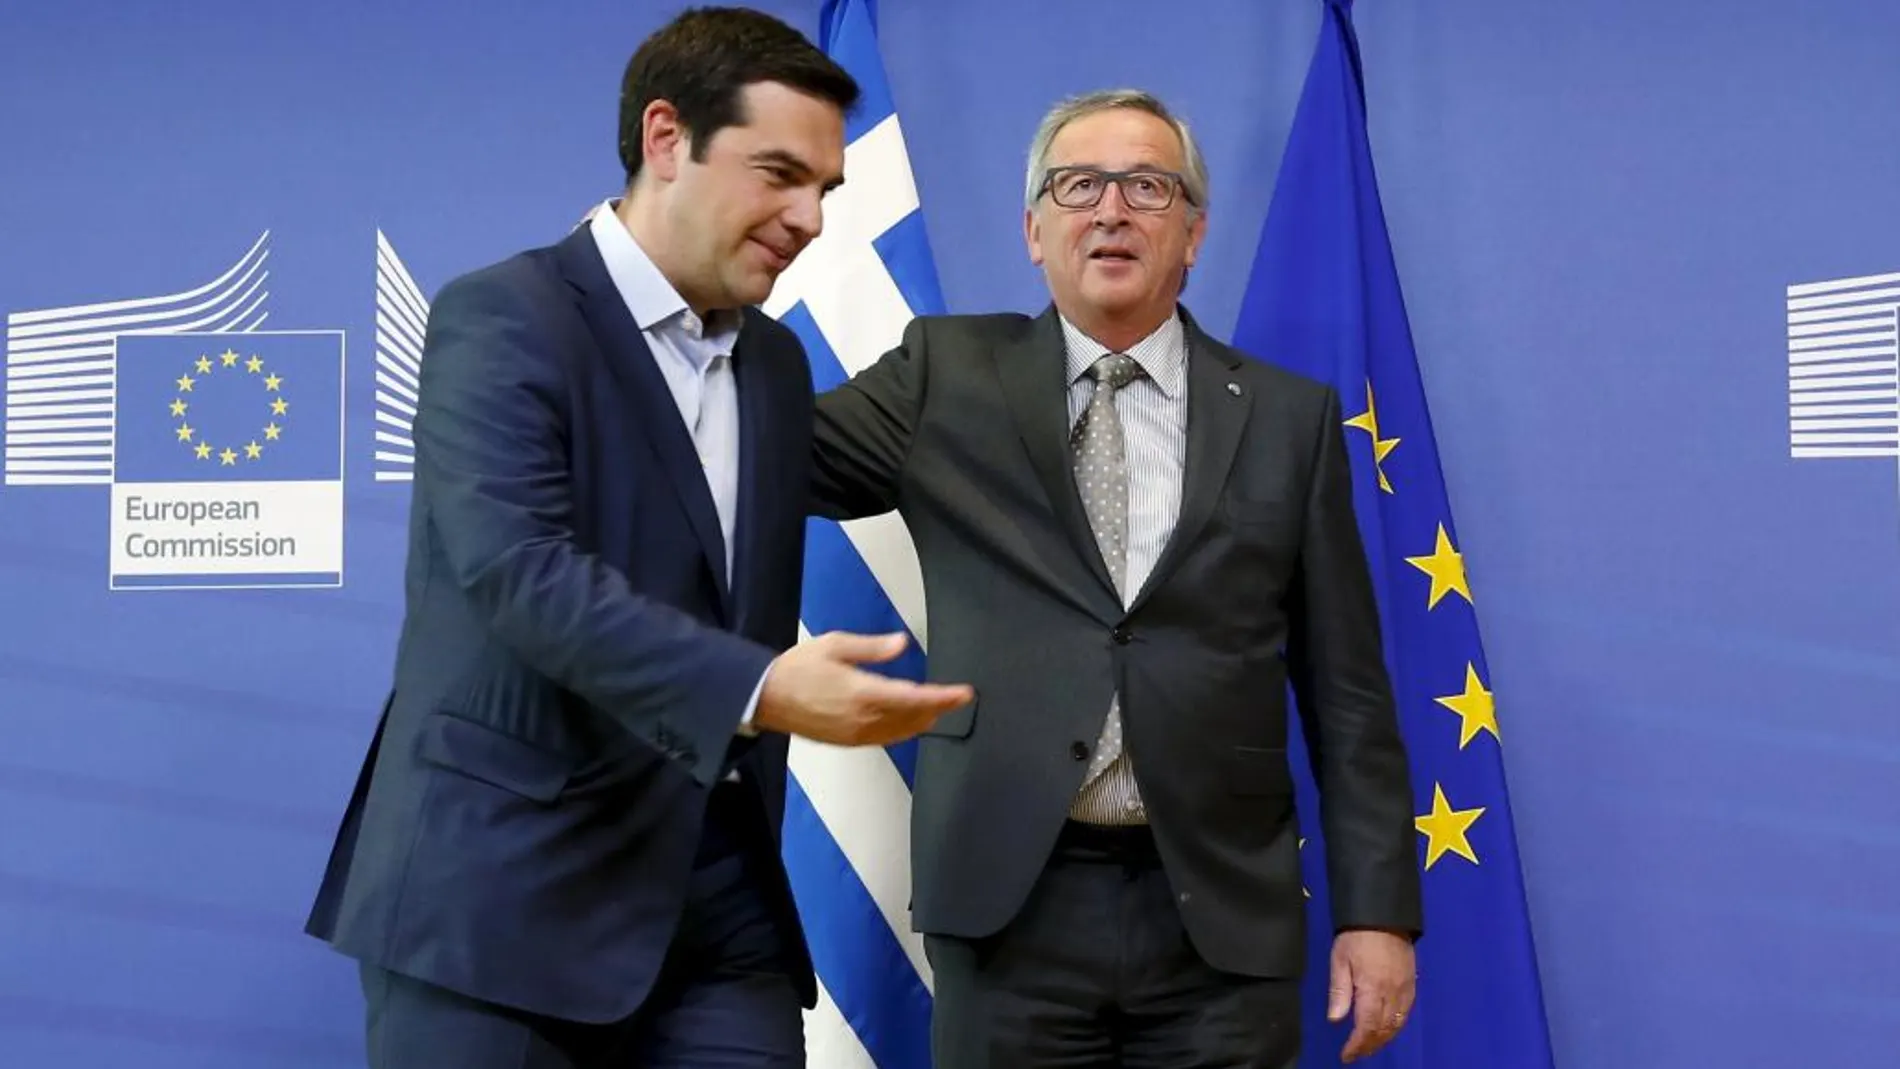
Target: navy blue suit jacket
{"points": [[572, 667]]}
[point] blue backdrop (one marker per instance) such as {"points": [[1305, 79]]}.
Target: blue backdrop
{"points": [[1621, 228]]}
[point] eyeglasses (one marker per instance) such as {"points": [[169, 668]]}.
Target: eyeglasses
{"points": [[1082, 187]]}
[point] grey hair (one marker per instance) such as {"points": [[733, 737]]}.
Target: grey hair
{"points": [[1194, 175]]}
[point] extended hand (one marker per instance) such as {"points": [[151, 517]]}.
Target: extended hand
{"points": [[1375, 974], [814, 690]]}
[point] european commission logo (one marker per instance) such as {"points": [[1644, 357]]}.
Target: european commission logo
{"points": [[228, 464], [222, 443]]}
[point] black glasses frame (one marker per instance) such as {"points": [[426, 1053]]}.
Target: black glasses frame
{"points": [[1177, 186]]}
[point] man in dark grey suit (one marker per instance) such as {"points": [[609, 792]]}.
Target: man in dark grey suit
{"points": [[1132, 538]]}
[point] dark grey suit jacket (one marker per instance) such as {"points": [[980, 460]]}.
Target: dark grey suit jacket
{"points": [[963, 429]]}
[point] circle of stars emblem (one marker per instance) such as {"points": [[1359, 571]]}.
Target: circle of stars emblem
{"points": [[203, 448]]}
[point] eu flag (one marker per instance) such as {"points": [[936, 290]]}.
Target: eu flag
{"points": [[1324, 300]]}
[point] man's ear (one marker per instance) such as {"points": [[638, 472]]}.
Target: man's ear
{"points": [[664, 141], [1197, 232], [1032, 236]]}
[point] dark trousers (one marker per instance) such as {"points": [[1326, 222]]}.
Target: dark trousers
{"points": [[1098, 972], [723, 999]]}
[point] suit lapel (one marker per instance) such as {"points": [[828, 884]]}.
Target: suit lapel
{"points": [[1218, 408], [752, 372], [1033, 370], [632, 362]]}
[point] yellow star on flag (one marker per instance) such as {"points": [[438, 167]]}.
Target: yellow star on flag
{"points": [[254, 364], [1445, 829], [1446, 566], [253, 451], [204, 450], [184, 432], [271, 431], [227, 457], [204, 365], [272, 381], [1368, 421], [1474, 707], [230, 358], [184, 383], [178, 408], [279, 407]]}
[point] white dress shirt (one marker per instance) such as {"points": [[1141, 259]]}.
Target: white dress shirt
{"points": [[695, 356]]}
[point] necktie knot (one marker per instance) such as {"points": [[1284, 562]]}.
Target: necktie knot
{"points": [[1115, 370]]}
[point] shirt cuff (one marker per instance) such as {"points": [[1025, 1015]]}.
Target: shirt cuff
{"points": [[746, 730]]}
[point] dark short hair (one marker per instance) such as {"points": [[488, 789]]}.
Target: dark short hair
{"points": [[703, 59]]}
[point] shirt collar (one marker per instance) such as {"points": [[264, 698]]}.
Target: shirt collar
{"points": [[648, 295], [1162, 354]]}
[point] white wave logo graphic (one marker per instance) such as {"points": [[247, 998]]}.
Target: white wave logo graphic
{"points": [[402, 315], [1844, 367], [61, 366]]}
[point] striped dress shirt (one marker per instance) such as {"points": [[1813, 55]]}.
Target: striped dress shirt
{"points": [[1153, 412]]}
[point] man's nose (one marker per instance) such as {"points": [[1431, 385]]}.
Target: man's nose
{"points": [[1111, 210], [805, 216]]}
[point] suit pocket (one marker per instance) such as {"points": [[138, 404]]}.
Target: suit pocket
{"points": [[493, 757], [1262, 771], [955, 724]]}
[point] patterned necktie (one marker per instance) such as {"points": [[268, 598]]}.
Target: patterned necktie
{"points": [[1101, 476], [1101, 467]]}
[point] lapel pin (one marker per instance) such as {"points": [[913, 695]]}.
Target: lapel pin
{"points": [[1234, 388]]}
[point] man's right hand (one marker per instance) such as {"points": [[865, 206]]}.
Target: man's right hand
{"points": [[815, 690]]}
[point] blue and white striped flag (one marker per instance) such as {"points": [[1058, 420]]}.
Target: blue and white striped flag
{"points": [[847, 822]]}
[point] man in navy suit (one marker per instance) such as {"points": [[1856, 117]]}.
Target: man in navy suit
{"points": [[562, 850]]}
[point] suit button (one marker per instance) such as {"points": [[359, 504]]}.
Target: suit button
{"points": [[1079, 751], [1123, 636]]}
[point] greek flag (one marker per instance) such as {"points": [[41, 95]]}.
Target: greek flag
{"points": [[847, 822]]}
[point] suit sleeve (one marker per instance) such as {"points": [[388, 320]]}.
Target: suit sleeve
{"points": [[492, 470], [1337, 667], [862, 431]]}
